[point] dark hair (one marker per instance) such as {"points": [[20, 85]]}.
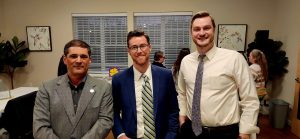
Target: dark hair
{"points": [[201, 15], [62, 67], [76, 43], [158, 55], [137, 33], [176, 66]]}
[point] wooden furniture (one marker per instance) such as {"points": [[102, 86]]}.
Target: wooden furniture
{"points": [[296, 110]]}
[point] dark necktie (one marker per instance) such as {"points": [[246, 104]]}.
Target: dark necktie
{"points": [[196, 113]]}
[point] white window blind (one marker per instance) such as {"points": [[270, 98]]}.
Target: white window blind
{"points": [[168, 32], [106, 34]]}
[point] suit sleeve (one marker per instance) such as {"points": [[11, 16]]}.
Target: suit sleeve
{"points": [[117, 128], [173, 112], [41, 116]]}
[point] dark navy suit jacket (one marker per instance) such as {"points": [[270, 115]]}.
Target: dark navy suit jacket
{"points": [[166, 109]]}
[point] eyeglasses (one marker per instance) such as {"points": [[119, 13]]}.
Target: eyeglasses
{"points": [[135, 47], [74, 56]]}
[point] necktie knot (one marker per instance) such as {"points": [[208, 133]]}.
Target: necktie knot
{"points": [[146, 78], [201, 57]]}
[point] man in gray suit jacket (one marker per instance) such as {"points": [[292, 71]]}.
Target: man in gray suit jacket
{"points": [[74, 105]]}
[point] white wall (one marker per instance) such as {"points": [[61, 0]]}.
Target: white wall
{"points": [[286, 29], [258, 14]]}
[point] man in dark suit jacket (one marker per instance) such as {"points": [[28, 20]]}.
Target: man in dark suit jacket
{"points": [[159, 59], [128, 98], [74, 105], [17, 116]]}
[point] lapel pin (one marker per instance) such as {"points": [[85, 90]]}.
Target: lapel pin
{"points": [[92, 91]]}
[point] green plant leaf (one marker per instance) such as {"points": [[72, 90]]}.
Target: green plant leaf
{"points": [[15, 41], [276, 58], [20, 45], [12, 56]]}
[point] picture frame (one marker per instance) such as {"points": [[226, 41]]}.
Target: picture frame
{"points": [[232, 36], [39, 38]]}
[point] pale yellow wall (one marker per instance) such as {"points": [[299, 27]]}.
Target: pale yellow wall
{"points": [[258, 14], [2, 76], [57, 14], [1, 18], [286, 29]]}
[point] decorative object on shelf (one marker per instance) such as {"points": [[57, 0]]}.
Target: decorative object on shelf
{"points": [[232, 36], [113, 71], [12, 56], [39, 38]]}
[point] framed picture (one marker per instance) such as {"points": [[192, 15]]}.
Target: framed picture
{"points": [[39, 38], [232, 36]]}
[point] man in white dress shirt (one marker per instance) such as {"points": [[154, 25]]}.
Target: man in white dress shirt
{"points": [[228, 104]]}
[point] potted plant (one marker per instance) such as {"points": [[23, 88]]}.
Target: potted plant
{"points": [[12, 55], [277, 63], [276, 58]]}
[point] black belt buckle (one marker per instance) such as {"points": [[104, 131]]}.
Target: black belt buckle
{"points": [[206, 129], [220, 129]]}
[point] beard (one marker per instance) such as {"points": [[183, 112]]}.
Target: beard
{"points": [[141, 60], [203, 42]]}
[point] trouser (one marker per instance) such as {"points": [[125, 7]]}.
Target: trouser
{"points": [[221, 132]]}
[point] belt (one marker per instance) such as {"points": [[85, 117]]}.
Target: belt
{"points": [[220, 129]]}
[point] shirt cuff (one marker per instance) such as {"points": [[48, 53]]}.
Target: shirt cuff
{"points": [[248, 129], [182, 109], [120, 135]]}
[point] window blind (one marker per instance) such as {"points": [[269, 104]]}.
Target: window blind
{"points": [[106, 34], [168, 32]]}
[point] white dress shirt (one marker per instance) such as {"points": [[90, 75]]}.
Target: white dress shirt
{"points": [[226, 78]]}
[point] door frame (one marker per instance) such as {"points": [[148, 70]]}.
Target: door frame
{"points": [[295, 128]]}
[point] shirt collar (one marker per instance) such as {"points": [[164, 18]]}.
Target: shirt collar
{"points": [[138, 75], [209, 54], [81, 84]]}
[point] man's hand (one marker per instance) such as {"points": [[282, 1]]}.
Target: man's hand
{"points": [[244, 136], [182, 119]]}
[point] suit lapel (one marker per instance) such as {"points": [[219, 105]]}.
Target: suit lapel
{"points": [[131, 90], [156, 86], [85, 98], [64, 92]]}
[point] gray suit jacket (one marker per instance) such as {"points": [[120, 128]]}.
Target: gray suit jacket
{"points": [[54, 116]]}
